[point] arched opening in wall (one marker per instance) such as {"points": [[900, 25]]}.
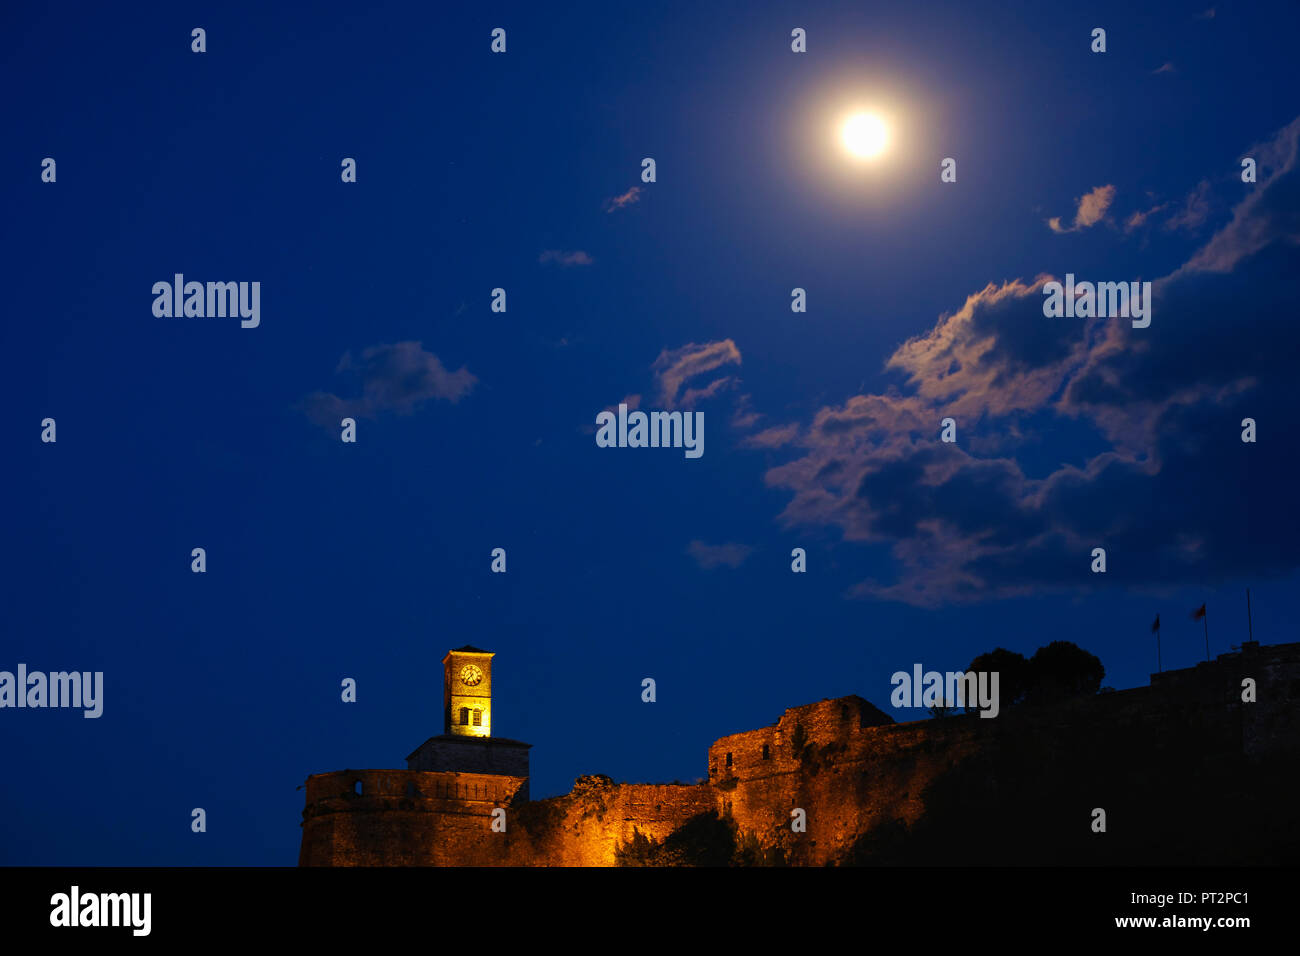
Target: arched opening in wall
{"points": [[767, 752], [844, 711], [464, 716], [356, 787], [478, 717], [728, 759]]}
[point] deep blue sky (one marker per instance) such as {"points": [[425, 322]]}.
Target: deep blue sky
{"points": [[369, 561]]}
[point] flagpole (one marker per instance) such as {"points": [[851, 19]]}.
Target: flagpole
{"points": [[1159, 667], [1205, 619], [1250, 630]]}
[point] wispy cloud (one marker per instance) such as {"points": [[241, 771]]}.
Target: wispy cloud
{"points": [[773, 437], [745, 417], [1166, 67], [710, 556], [1140, 218], [575, 258], [1261, 219], [673, 368], [1092, 209], [395, 378], [1195, 209], [627, 199]]}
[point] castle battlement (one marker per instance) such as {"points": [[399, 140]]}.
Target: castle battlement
{"points": [[348, 789]]}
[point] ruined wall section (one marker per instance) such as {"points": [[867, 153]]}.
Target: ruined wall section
{"points": [[587, 825], [827, 727], [846, 779]]}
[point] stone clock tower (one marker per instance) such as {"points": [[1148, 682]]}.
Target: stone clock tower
{"points": [[467, 692], [466, 744]]}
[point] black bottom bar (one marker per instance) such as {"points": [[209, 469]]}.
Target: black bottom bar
{"points": [[541, 905]]}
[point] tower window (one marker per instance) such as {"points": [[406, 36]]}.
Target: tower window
{"points": [[464, 716], [728, 760], [478, 717]]}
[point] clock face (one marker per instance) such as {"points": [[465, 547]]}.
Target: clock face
{"points": [[470, 675]]}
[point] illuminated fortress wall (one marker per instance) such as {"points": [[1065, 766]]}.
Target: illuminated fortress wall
{"points": [[403, 817], [843, 762], [1183, 756], [447, 819], [585, 826]]}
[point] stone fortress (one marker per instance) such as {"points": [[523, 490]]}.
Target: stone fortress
{"points": [[1185, 770]]}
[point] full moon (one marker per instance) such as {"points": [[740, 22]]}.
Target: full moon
{"points": [[865, 135]]}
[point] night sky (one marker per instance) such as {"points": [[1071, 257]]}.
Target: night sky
{"points": [[476, 429]]}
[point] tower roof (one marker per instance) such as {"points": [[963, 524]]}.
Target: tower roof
{"points": [[471, 649], [472, 743]]}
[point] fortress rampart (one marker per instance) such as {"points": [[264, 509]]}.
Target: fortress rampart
{"points": [[402, 817], [1160, 760]]}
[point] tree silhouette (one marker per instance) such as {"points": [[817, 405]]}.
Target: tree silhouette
{"points": [[1013, 676], [1057, 671], [1062, 670]]}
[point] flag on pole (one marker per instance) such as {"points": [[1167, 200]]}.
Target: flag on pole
{"points": [[1199, 615], [1155, 628]]}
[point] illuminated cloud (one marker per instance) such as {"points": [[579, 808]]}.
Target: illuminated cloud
{"points": [[772, 437], [1092, 209], [744, 417], [1148, 460], [673, 368], [628, 198], [1264, 217], [1139, 219]]}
